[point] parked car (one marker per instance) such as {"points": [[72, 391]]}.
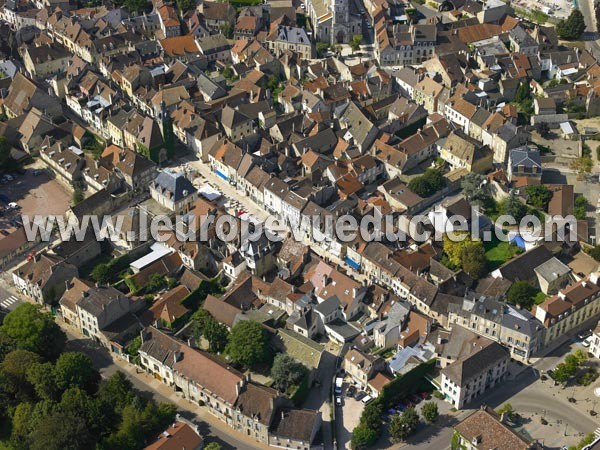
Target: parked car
{"points": [[350, 391], [367, 399], [13, 205], [338, 401], [586, 343], [584, 335], [359, 395], [37, 172]]}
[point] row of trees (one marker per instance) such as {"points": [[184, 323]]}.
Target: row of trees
{"points": [[55, 400], [401, 426]]}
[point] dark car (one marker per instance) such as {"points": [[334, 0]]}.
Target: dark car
{"points": [[584, 335], [359, 395]]}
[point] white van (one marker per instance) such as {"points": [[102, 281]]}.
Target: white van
{"points": [[366, 400]]}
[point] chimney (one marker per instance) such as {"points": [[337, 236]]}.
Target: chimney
{"points": [[324, 280], [354, 292]]}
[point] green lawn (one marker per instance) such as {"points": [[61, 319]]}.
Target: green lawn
{"points": [[498, 252]]}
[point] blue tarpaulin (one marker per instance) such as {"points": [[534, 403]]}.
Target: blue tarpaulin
{"points": [[222, 175], [352, 264], [518, 241]]}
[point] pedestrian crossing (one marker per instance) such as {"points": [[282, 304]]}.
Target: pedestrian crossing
{"points": [[8, 302]]}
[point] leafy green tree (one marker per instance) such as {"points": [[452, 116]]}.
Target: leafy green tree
{"points": [[355, 42], [186, 5], [403, 425], [428, 183], [514, 208], [521, 293], [41, 377], [75, 369], [563, 372], [77, 196], [102, 273], [473, 260], [61, 431], [249, 344], [507, 410], [430, 412], [6, 161], [226, 30], [136, 6], [322, 48], [538, 196], [287, 372], [31, 329], [580, 207], [371, 415], [594, 252], [363, 437], [213, 446], [523, 93], [572, 27], [217, 336], [474, 189], [117, 392]]}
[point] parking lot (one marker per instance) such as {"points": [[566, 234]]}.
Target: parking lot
{"points": [[41, 194], [347, 417]]}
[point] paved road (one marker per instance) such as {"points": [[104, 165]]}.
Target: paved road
{"points": [[8, 301]]}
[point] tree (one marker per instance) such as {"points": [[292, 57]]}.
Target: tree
{"points": [[514, 208], [543, 129], [371, 415], [572, 27], [6, 161], [248, 344], [428, 183], [580, 208], [217, 335], [403, 425], [74, 369], [31, 329], [523, 93], [77, 196], [594, 252], [287, 372], [355, 42], [507, 410], [582, 166], [458, 250], [521, 293], [322, 48], [226, 30], [102, 273], [473, 260], [41, 377], [61, 431], [474, 189], [430, 412], [538, 196], [563, 372], [363, 437], [186, 5], [213, 446]]}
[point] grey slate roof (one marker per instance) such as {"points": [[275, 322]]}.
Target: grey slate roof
{"points": [[173, 183]]}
